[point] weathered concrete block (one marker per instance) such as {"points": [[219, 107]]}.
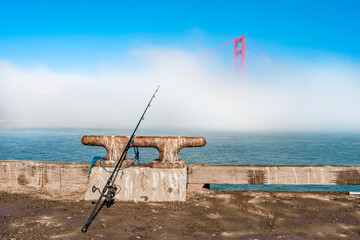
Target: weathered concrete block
{"points": [[142, 183], [49, 180], [274, 174]]}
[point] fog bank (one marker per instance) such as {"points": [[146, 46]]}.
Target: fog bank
{"points": [[195, 93]]}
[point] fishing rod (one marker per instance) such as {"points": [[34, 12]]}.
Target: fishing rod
{"points": [[110, 184]]}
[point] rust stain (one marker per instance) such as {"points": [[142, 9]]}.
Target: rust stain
{"points": [[33, 171], [348, 177], [256, 177], [85, 170], [22, 180], [45, 177], [145, 198]]}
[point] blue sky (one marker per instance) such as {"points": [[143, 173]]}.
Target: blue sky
{"points": [[76, 35], [55, 56]]}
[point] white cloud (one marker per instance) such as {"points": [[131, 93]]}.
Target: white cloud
{"points": [[195, 93]]}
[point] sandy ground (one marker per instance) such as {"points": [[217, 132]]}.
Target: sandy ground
{"points": [[215, 215]]}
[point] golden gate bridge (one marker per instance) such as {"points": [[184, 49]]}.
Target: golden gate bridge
{"points": [[242, 51]]}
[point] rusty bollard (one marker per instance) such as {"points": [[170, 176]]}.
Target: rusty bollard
{"points": [[114, 146], [168, 147]]}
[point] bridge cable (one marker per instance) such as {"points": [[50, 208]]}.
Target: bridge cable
{"points": [[221, 47], [252, 50], [262, 50]]}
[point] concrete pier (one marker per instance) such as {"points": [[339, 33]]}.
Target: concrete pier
{"points": [[162, 180], [166, 179]]}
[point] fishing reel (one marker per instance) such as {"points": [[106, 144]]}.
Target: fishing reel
{"points": [[112, 190], [110, 196], [94, 189]]}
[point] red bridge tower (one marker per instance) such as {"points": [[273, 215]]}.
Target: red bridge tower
{"points": [[240, 52]]}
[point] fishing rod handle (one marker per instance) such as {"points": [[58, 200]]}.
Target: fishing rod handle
{"points": [[85, 228]]}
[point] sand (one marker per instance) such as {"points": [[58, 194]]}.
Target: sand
{"points": [[213, 215]]}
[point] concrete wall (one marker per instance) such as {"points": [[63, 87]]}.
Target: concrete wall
{"points": [[71, 181], [49, 180], [200, 174]]}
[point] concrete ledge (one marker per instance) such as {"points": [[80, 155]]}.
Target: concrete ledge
{"points": [[142, 183], [71, 181], [48, 180], [274, 174]]}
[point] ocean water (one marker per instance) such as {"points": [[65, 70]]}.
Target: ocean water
{"points": [[64, 145]]}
